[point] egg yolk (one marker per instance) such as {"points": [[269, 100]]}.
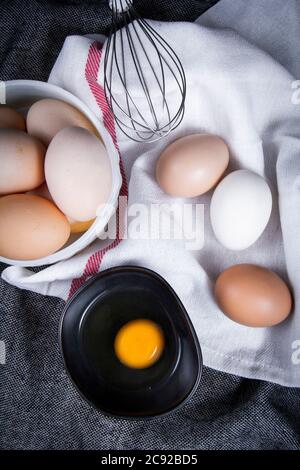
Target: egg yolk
{"points": [[139, 344], [81, 227]]}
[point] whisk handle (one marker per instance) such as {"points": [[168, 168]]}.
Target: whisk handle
{"points": [[120, 6]]}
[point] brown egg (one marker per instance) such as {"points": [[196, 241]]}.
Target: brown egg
{"points": [[253, 296], [47, 117], [76, 227], [11, 119], [21, 162], [31, 227], [42, 191], [193, 165]]}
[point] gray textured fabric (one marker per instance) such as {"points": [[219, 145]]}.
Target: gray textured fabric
{"points": [[39, 408]]}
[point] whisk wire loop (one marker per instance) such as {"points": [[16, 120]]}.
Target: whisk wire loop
{"points": [[144, 80]]}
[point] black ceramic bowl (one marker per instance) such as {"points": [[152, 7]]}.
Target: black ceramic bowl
{"points": [[89, 325]]}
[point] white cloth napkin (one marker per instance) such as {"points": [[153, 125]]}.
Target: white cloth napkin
{"points": [[239, 92]]}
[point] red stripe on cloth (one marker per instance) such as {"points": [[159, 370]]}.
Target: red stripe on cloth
{"points": [[91, 74]]}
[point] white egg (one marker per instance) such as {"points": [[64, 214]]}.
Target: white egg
{"points": [[240, 209]]}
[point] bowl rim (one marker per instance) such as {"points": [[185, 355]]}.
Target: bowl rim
{"points": [[107, 212], [126, 269]]}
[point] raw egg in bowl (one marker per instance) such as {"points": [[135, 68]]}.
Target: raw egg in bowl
{"points": [[129, 345], [52, 111]]}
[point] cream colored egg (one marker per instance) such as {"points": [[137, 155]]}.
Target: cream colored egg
{"points": [[78, 173], [21, 162], [31, 227], [11, 119], [47, 117], [193, 165]]}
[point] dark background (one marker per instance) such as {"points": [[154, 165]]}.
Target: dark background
{"points": [[39, 408]]}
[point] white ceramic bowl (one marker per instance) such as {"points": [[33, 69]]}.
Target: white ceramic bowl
{"points": [[21, 94]]}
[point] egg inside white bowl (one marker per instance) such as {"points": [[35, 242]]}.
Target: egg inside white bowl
{"points": [[21, 95]]}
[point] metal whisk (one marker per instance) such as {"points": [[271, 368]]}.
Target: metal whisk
{"points": [[144, 80]]}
